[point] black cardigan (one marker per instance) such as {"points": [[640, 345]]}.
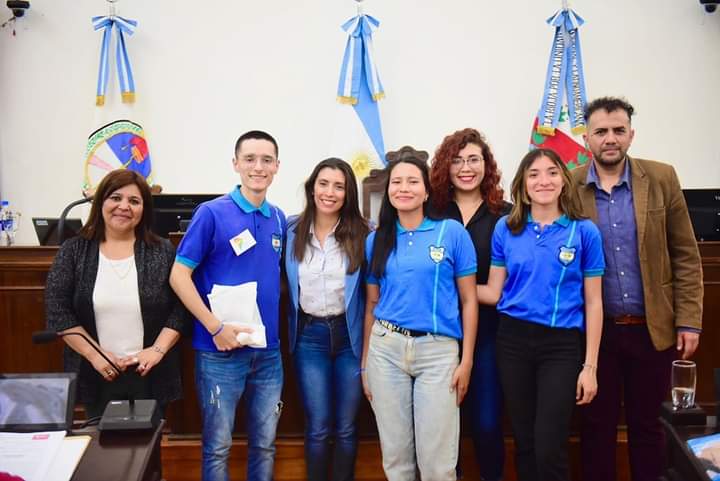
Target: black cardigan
{"points": [[69, 303]]}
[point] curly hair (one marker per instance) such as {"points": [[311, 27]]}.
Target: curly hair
{"points": [[442, 188]]}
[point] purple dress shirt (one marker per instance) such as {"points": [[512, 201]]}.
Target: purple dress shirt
{"points": [[622, 282]]}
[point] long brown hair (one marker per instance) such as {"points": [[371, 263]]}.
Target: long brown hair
{"points": [[94, 229], [490, 189], [352, 228], [385, 236], [569, 202]]}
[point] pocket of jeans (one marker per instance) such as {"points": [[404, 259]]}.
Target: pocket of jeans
{"points": [[215, 355], [378, 330]]}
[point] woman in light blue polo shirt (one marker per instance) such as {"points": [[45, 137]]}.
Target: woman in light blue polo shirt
{"points": [[546, 268], [323, 264], [420, 302]]}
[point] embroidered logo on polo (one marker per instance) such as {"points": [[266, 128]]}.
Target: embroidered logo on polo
{"points": [[276, 242], [437, 254], [567, 255]]}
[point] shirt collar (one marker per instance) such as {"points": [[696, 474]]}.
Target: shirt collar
{"points": [[246, 206], [563, 220], [426, 224], [592, 177], [332, 231]]}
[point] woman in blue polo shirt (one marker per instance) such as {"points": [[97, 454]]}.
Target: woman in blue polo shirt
{"points": [[546, 268], [420, 302], [325, 316]]}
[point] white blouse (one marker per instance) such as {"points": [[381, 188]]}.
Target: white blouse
{"points": [[117, 306], [321, 277]]}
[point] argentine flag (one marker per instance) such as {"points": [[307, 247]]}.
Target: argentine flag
{"points": [[357, 136]]}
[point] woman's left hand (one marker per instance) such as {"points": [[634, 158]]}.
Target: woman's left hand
{"points": [[460, 381], [145, 360], [586, 386]]}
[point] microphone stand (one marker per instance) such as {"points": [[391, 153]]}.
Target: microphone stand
{"points": [[63, 216], [134, 414]]}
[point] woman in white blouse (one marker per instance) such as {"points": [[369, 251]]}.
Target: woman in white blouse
{"points": [[325, 252], [110, 283]]}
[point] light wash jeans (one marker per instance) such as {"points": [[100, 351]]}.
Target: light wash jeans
{"points": [[416, 413], [222, 378]]}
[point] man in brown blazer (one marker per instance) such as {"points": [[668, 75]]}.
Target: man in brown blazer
{"points": [[652, 291]]}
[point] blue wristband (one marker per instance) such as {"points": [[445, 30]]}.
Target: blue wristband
{"points": [[219, 329]]}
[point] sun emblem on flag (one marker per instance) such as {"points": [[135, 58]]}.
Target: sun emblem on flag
{"points": [[361, 165]]}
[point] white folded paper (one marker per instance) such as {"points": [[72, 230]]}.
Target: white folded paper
{"points": [[237, 306]]}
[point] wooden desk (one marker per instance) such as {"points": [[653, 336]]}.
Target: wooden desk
{"points": [[121, 456]]}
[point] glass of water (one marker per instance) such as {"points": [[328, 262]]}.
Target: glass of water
{"points": [[684, 375]]}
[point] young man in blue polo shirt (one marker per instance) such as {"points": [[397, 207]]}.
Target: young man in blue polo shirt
{"points": [[232, 240]]}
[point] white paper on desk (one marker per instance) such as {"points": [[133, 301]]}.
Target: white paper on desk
{"points": [[67, 458], [29, 455], [237, 305]]}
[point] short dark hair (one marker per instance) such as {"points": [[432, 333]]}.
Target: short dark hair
{"points": [[94, 228], [256, 134], [608, 104]]}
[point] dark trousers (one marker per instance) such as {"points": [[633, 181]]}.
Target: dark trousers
{"points": [[483, 403], [629, 365], [539, 366]]}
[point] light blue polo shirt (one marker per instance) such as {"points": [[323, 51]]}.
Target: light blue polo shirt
{"points": [[418, 290], [546, 268], [206, 249]]}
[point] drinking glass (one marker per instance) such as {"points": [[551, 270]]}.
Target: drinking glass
{"points": [[684, 374]]}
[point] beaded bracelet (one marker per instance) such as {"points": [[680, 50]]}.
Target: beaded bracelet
{"points": [[591, 366]]}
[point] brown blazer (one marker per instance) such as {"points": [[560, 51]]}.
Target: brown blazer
{"points": [[669, 258]]}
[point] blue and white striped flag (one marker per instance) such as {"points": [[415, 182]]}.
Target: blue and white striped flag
{"points": [[358, 136], [124, 70]]}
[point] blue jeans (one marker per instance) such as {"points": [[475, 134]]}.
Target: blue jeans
{"points": [[221, 379], [328, 374], [416, 412], [483, 404]]}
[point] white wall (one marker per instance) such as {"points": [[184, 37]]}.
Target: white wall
{"points": [[208, 71]]}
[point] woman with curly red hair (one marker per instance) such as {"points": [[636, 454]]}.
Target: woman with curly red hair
{"points": [[466, 187]]}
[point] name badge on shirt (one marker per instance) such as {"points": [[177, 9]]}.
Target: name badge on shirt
{"points": [[242, 242], [567, 255]]}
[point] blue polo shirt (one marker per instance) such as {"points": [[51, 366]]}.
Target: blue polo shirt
{"points": [[206, 249], [418, 290], [546, 268]]}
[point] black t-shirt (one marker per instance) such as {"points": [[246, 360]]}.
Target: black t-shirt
{"points": [[480, 228]]}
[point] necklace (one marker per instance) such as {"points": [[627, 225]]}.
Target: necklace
{"points": [[121, 268]]}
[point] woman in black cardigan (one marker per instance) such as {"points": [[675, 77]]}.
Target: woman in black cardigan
{"points": [[111, 284]]}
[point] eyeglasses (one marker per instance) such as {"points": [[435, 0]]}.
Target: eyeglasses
{"points": [[472, 161], [251, 160]]}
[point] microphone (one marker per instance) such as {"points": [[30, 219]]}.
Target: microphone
{"points": [[118, 415], [47, 336], [65, 212]]}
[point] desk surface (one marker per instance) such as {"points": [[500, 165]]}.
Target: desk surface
{"points": [[120, 456], [682, 463]]}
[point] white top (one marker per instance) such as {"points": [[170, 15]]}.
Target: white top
{"points": [[117, 307], [321, 277]]}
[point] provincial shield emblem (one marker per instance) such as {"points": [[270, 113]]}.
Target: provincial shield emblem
{"points": [[437, 254], [567, 255]]}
